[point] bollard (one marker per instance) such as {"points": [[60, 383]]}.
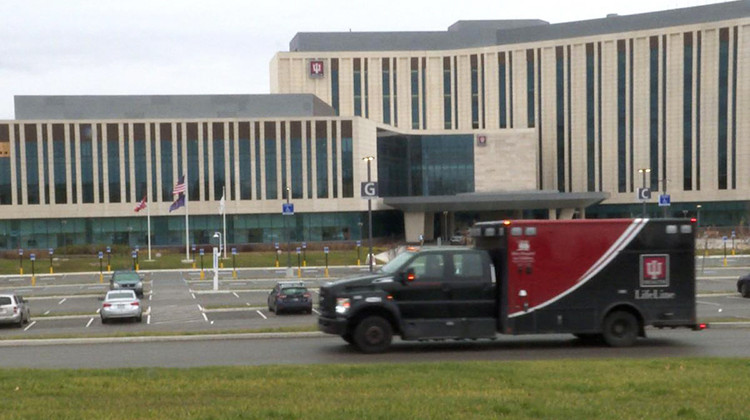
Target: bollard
{"points": [[299, 262], [325, 251], [51, 251], [109, 253], [234, 263], [203, 274], [20, 260], [32, 257], [359, 246]]}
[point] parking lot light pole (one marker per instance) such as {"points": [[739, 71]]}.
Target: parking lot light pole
{"points": [[288, 238], [216, 255], [369, 160]]}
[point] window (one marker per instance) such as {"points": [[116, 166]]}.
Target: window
{"points": [[428, 267], [219, 143], [246, 165], [270, 156], [468, 265]]}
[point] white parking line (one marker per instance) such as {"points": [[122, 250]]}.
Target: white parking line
{"points": [[707, 303], [150, 296], [30, 325], [193, 295], [261, 314], [61, 302], [148, 320], [204, 316], [236, 295], [47, 313], [316, 311], [98, 310], [90, 321]]}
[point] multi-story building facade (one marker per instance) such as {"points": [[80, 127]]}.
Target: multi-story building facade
{"points": [[658, 99], [489, 119]]}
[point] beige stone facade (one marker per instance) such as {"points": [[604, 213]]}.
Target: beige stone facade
{"points": [[603, 105]]}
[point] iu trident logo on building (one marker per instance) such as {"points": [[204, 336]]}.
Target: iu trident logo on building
{"points": [[317, 69], [655, 270]]}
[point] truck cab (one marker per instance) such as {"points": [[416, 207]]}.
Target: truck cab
{"points": [[432, 293]]}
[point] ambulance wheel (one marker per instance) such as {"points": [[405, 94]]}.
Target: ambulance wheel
{"points": [[620, 329], [373, 335]]}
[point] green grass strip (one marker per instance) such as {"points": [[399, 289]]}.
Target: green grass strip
{"points": [[561, 389]]}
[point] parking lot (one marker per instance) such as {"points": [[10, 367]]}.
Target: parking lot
{"points": [[67, 305], [174, 301]]}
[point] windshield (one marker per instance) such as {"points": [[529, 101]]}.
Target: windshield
{"points": [[120, 295], [395, 264], [126, 277]]}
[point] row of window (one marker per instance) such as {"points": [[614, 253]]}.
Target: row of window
{"points": [[559, 144], [170, 231], [116, 161]]}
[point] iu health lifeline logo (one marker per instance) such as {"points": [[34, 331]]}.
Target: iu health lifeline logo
{"points": [[655, 270]]}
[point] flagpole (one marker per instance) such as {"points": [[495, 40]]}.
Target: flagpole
{"points": [[187, 227], [148, 222], [224, 217]]}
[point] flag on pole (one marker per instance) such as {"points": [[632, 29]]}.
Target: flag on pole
{"points": [[142, 205], [180, 202], [222, 205], [179, 188]]}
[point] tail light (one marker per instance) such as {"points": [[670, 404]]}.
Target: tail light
{"points": [[15, 309], [134, 304], [282, 296], [106, 305], [307, 295]]}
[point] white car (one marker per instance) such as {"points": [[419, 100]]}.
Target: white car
{"points": [[14, 310], [121, 304]]}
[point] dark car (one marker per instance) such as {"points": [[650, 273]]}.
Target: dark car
{"points": [[290, 296], [128, 280], [743, 285]]}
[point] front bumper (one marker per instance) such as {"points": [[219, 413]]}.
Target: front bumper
{"points": [[336, 326]]}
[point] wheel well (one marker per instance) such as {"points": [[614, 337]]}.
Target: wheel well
{"points": [[633, 311], [374, 310]]}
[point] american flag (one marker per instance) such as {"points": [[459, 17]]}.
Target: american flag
{"points": [[142, 205], [179, 188]]}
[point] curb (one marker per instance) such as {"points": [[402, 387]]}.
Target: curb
{"points": [[155, 339]]}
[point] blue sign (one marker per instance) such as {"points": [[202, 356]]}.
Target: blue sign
{"points": [[101, 255], [304, 245], [664, 200], [276, 245], [325, 249], [359, 243], [724, 238], [193, 247], [136, 249], [299, 250], [132, 254], [51, 251], [20, 251], [201, 251], [287, 209], [234, 251], [109, 250], [32, 257]]}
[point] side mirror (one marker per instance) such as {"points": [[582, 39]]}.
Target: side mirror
{"points": [[408, 276]]}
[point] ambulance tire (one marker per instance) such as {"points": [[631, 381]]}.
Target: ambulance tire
{"points": [[620, 329]]}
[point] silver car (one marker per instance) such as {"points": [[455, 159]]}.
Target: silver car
{"points": [[121, 304], [14, 310]]}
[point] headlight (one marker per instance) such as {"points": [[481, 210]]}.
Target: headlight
{"points": [[139, 285], [117, 285], [342, 305]]}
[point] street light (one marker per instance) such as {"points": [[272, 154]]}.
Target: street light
{"points": [[369, 160], [288, 251], [644, 171]]}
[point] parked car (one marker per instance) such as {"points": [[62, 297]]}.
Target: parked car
{"points": [[290, 296], [14, 310], [743, 285], [121, 304], [458, 240], [129, 280]]}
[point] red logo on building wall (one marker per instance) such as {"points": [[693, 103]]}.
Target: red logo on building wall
{"points": [[655, 270], [317, 68]]}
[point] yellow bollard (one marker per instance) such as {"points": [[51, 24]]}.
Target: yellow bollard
{"points": [[51, 271], [203, 275], [326, 271], [33, 281], [21, 269], [101, 278], [234, 274], [221, 264]]}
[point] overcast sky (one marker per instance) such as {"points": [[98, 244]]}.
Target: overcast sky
{"points": [[140, 47]]}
